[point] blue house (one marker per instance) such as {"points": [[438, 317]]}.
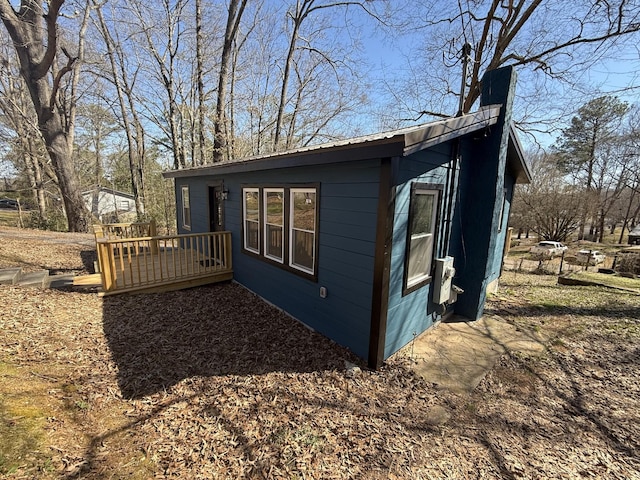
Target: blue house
{"points": [[370, 240]]}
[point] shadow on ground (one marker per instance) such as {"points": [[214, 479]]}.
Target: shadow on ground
{"points": [[157, 340], [89, 257]]}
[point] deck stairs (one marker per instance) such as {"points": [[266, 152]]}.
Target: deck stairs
{"points": [[38, 279]]}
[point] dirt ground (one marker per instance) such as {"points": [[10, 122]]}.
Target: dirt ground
{"points": [[213, 383]]}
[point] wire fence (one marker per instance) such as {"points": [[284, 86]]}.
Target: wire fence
{"points": [[554, 266]]}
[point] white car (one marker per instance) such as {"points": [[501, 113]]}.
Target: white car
{"points": [[593, 256], [548, 249]]}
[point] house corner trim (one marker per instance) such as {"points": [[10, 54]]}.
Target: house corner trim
{"points": [[382, 264]]}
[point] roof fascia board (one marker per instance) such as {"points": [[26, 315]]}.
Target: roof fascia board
{"points": [[378, 149], [521, 166], [451, 128]]}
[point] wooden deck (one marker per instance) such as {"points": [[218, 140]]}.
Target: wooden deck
{"points": [[163, 263]]}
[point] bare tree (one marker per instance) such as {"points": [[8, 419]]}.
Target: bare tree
{"points": [[550, 204], [631, 159], [20, 129], [298, 14], [35, 39], [129, 116], [255, 99], [163, 37], [547, 39], [200, 82], [235, 11]]}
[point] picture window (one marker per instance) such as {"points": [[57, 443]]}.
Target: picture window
{"points": [[280, 226]]}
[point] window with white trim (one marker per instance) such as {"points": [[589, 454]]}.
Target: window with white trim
{"points": [[251, 219], [421, 230], [273, 201], [186, 207], [280, 226], [302, 229]]}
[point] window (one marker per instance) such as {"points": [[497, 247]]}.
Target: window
{"points": [[302, 229], [281, 225], [124, 205], [421, 230], [251, 219], [273, 223], [186, 208]]}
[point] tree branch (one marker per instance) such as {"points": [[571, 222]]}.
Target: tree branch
{"points": [[579, 41], [56, 82], [51, 17], [10, 19]]}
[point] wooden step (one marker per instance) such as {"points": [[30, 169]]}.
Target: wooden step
{"points": [[64, 280], [88, 281]]}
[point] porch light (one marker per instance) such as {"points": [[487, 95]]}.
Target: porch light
{"points": [[223, 195]]}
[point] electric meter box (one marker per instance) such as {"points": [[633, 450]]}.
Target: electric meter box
{"points": [[443, 280]]}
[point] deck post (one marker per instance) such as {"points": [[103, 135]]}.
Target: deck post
{"points": [[227, 251], [153, 232], [105, 261]]}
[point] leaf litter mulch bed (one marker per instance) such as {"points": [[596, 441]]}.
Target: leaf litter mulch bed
{"points": [[214, 383]]}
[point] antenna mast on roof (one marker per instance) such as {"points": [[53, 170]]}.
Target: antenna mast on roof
{"points": [[466, 58]]}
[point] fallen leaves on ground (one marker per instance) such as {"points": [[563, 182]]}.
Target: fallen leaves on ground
{"points": [[214, 383]]}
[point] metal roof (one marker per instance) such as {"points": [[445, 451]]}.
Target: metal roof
{"points": [[400, 142]]}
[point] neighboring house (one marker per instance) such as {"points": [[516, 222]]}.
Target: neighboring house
{"points": [[634, 236], [354, 238], [109, 205]]}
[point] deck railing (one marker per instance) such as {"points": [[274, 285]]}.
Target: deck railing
{"points": [[141, 263], [122, 231], [112, 231]]}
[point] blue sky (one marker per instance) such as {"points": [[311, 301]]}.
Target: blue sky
{"points": [[619, 76]]}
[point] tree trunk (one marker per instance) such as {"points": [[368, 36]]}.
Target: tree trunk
{"points": [[36, 59], [301, 13], [627, 213], [236, 8], [601, 227], [133, 127], [200, 83], [35, 177], [61, 158]]}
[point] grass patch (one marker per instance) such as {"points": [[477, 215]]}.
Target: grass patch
{"points": [[20, 435], [608, 280], [22, 422]]}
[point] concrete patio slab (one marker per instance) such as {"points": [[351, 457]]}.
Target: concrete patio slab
{"points": [[456, 355]]}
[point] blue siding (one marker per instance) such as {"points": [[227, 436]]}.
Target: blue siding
{"points": [[476, 240], [413, 313], [199, 203], [348, 208], [347, 225], [496, 255]]}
